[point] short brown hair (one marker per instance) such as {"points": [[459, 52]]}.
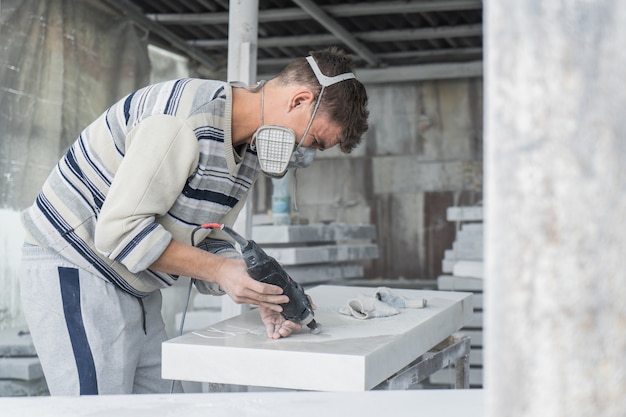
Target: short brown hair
{"points": [[344, 102]]}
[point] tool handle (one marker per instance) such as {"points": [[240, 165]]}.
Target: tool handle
{"points": [[264, 268]]}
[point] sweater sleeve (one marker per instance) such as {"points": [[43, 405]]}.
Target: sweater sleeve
{"points": [[161, 153]]}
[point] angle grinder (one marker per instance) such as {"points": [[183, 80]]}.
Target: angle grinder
{"points": [[265, 268]]}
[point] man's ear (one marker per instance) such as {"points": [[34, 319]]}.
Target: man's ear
{"points": [[302, 97]]}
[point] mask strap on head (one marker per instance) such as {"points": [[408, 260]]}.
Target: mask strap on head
{"points": [[325, 81]]}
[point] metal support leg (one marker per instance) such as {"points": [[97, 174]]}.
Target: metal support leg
{"points": [[454, 350], [461, 367]]}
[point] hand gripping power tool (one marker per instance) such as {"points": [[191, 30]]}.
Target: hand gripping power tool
{"points": [[265, 268]]}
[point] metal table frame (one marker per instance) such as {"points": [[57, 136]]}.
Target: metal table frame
{"points": [[453, 350]]}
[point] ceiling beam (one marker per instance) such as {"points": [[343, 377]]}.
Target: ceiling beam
{"points": [[441, 32], [459, 54], [432, 53], [423, 72], [372, 36], [341, 10], [412, 73], [339, 31]]}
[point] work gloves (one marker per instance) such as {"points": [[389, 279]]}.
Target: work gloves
{"points": [[384, 303]]}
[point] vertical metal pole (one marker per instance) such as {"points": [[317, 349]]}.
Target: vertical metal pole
{"points": [[461, 367], [243, 16]]}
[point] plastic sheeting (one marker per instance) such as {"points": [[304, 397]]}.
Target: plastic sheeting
{"points": [[62, 63]]}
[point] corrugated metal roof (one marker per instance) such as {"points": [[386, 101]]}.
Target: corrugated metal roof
{"points": [[382, 35]]}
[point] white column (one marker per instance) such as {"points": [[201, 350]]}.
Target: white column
{"points": [[555, 148], [243, 18]]}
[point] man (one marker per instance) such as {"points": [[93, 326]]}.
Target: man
{"points": [[118, 217]]}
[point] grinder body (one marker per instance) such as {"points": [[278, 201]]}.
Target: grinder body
{"points": [[265, 268]]}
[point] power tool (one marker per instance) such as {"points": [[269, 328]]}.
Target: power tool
{"points": [[265, 268]]}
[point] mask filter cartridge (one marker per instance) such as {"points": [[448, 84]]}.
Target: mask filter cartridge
{"points": [[274, 146]]}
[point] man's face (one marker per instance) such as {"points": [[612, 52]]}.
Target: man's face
{"points": [[323, 134]]}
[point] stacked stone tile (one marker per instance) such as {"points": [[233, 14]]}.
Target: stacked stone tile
{"points": [[319, 253], [20, 371], [463, 271]]}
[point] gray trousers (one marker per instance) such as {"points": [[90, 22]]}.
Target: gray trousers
{"points": [[90, 336]]}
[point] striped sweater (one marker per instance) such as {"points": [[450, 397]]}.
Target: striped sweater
{"points": [[151, 168]]}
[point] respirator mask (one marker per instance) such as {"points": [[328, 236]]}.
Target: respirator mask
{"points": [[276, 146], [277, 150]]}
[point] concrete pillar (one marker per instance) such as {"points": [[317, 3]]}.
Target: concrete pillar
{"points": [[243, 21], [555, 203]]}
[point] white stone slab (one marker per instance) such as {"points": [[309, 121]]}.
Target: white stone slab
{"points": [[472, 228], [454, 283], [447, 265], [26, 368], [464, 213], [473, 269], [312, 233], [442, 403], [348, 355], [470, 236], [19, 388], [468, 250], [321, 273], [468, 243], [16, 342], [325, 253]]}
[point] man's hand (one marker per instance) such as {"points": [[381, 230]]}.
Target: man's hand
{"points": [[275, 324], [243, 289], [230, 274]]}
